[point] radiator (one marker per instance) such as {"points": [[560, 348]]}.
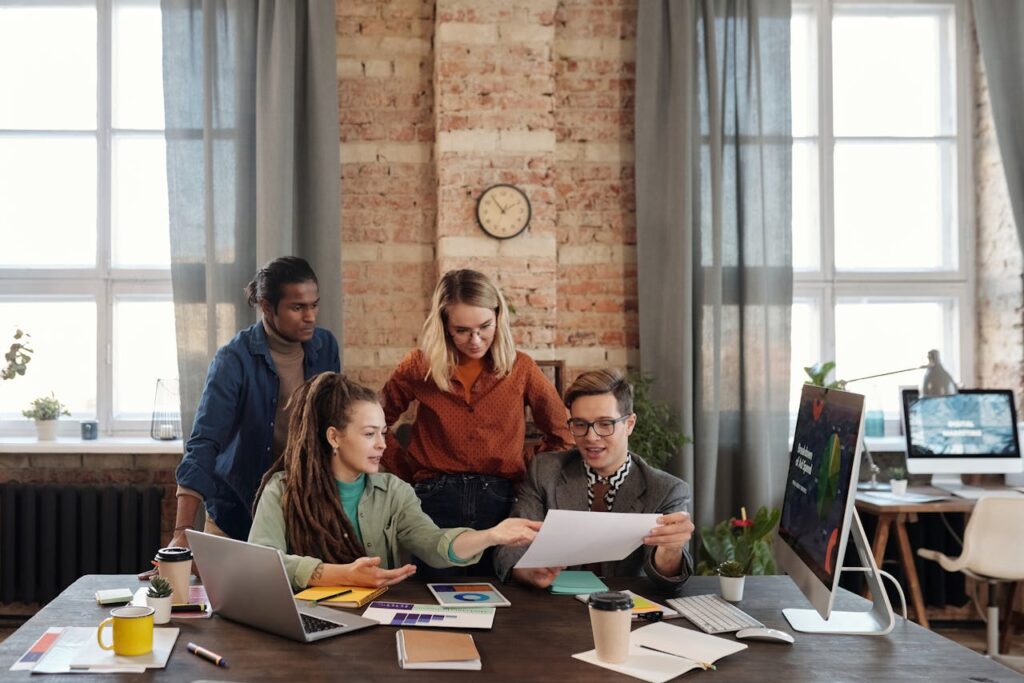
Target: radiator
{"points": [[52, 534]]}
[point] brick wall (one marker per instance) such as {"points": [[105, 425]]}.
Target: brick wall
{"points": [[440, 100], [1000, 335]]}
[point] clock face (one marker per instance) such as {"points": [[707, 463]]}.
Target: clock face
{"points": [[503, 211]]}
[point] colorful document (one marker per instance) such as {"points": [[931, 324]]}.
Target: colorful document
{"points": [[434, 616]]}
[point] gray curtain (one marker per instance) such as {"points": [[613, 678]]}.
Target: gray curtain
{"points": [[250, 95], [714, 249], [1000, 25]]}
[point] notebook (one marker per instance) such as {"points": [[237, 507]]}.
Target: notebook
{"points": [[436, 650], [577, 582], [357, 596]]}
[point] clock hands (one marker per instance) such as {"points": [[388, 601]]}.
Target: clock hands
{"points": [[500, 207]]}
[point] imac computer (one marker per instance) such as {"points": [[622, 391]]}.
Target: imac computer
{"points": [[971, 432], [818, 515]]}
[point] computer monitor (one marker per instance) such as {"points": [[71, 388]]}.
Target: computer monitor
{"points": [[971, 432], [818, 514]]}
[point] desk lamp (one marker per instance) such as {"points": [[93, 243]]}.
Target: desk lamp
{"points": [[935, 382]]}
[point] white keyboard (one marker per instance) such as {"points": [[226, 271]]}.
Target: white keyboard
{"points": [[712, 614]]}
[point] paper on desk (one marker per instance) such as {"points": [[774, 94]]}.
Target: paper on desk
{"points": [[887, 497], [685, 642], [90, 657], [647, 665], [196, 596], [570, 537]]}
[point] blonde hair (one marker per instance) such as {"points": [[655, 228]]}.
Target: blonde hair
{"points": [[473, 289]]}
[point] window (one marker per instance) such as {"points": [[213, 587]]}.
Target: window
{"points": [[882, 249], [85, 263]]}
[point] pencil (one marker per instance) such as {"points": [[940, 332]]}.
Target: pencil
{"points": [[332, 595]]}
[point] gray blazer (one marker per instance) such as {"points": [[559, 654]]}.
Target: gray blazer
{"points": [[559, 481]]}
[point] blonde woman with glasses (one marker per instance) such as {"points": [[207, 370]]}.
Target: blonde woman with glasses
{"points": [[465, 453]]}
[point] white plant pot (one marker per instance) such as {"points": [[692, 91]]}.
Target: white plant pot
{"points": [[732, 587], [899, 486], [46, 430], [162, 607]]}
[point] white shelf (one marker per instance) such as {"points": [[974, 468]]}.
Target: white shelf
{"points": [[74, 445]]}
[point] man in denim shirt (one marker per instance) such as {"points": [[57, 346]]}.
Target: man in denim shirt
{"points": [[241, 423]]}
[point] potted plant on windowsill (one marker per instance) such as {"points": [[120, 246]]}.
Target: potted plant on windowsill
{"points": [[159, 598], [46, 410]]}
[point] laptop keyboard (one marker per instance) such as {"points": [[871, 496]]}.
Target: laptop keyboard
{"points": [[315, 625], [712, 614]]}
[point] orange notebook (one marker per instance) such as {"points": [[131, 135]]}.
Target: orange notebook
{"points": [[421, 649]]}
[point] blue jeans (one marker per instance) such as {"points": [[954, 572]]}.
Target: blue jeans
{"points": [[477, 501]]}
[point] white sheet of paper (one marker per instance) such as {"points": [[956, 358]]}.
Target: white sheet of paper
{"points": [[685, 642], [647, 665], [570, 537]]}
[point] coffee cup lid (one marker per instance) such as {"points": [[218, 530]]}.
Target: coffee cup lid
{"points": [[173, 554], [611, 601]]}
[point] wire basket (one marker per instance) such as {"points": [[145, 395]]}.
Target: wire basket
{"points": [[166, 424]]}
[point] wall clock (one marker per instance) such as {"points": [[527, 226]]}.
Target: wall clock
{"points": [[503, 211]]}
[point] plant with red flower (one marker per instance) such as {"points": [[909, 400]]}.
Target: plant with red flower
{"points": [[745, 541]]}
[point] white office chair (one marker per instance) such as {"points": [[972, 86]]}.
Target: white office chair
{"points": [[993, 552]]}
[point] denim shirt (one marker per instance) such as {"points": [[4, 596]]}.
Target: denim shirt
{"points": [[230, 447]]}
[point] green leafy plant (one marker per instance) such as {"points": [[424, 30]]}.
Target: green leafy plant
{"points": [[655, 437], [159, 587], [731, 568], [17, 357], [46, 408], [744, 541], [818, 373], [897, 472]]}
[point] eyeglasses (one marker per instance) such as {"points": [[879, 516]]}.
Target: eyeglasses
{"points": [[466, 333], [604, 427]]}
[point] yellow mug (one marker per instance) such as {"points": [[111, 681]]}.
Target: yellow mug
{"points": [[133, 630]]}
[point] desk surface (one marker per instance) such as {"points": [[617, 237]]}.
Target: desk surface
{"points": [[530, 641], [950, 503]]}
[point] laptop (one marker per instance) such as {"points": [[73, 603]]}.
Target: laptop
{"points": [[247, 583]]}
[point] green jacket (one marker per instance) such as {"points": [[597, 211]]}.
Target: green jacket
{"points": [[390, 518]]}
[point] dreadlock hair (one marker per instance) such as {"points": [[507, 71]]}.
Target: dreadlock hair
{"points": [[315, 522]]}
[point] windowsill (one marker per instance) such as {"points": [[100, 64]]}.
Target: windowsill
{"points": [[104, 444], [886, 444]]}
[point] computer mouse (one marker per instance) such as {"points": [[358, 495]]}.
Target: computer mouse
{"points": [[768, 634]]}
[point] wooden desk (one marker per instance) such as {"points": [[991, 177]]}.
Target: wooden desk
{"points": [[530, 641], [897, 514]]}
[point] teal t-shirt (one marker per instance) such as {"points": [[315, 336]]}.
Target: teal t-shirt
{"points": [[350, 494]]}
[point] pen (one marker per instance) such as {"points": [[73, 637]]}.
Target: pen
{"points": [[211, 657], [703, 665], [189, 607], [332, 595]]}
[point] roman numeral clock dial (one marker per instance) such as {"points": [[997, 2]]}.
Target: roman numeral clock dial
{"points": [[503, 211]]}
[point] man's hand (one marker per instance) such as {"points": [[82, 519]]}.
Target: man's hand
{"points": [[539, 577], [515, 531], [672, 533]]}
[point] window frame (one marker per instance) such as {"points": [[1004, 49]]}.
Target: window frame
{"points": [[101, 283], [825, 286]]}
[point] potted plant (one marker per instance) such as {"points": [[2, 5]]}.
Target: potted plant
{"points": [[159, 598], [730, 580], [655, 437], [747, 542], [898, 480], [45, 411]]}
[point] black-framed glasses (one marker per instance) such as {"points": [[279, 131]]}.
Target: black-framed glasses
{"points": [[605, 427]]}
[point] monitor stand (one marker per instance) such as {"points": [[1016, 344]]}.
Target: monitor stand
{"points": [[877, 621]]}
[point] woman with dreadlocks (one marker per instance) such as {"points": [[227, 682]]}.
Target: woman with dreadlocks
{"points": [[336, 519]]}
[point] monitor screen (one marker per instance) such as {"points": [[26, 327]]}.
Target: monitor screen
{"points": [[820, 489], [971, 432]]}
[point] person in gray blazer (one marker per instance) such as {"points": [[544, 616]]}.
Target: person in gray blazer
{"points": [[601, 474]]}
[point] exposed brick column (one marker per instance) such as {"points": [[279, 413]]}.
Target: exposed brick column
{"points": [[388, 200], [494, 83], [596, 207]]}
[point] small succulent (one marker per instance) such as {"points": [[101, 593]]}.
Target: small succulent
{"points": [[159, 587], [897, 472], [730, 568]]}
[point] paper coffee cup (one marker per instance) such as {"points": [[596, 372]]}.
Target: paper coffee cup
{"points": [[610, 618], [175, 565]]}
